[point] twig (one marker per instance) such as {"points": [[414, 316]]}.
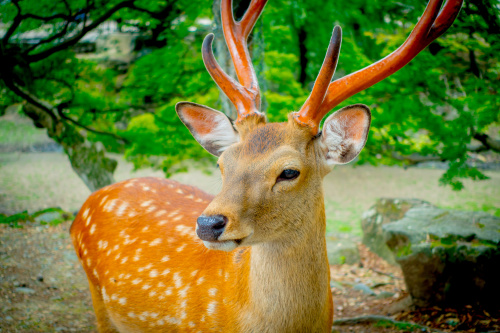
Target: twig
{"points": [[386, 274], [371, 319]]}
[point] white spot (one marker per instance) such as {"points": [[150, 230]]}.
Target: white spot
{"points": [[122, 301], [172, 320], [124, 260], [114, 297], [102, 244], [179, 191], [146, 286], [103, 201], [118, 256], [127, 276], [165, 258], [105, 296], [191, 324], [148, 266], [183, 292], [181, 248], [168, 291], [160, 213], [152, 293], [189, 196], [137, 281], [116, 247], [184, 230], [95, 274], [131, 315], [193, 273], [88, 220], [200, 280], [161, 285], [146, 203], [143, 315], [110, 205], [146, 228], [211, 308], [160, 322], [220, 272], [86, 213], [177, 280], [121, 209], [175, 212], [130, 241], [153, 273], [177, 218], [212, 291], [157, 241], [146, 188], [150, 209], [165, 272], [162, 222], [132, 214], [153, 315], [89, 262], [92, 229]]}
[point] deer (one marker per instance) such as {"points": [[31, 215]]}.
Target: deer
{"points": [[161, 256]]}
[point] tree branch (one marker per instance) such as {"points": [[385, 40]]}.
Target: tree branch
{"points": [[44, 106], [73, 40], [113, 135]]}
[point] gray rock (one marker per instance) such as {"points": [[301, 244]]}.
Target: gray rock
{"points": [[448, 257], [342, 250], [24, 290], [383, 212], [365, 289]]}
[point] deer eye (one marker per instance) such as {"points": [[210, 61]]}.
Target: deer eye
{"points": [[288, 174]]}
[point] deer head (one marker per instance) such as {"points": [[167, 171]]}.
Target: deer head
{"points": [[272, 172]]}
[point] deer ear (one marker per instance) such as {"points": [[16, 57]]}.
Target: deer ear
{"points": [[345, 133], [212, 129]]}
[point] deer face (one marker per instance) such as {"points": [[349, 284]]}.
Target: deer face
{"points": [[271, 173]]}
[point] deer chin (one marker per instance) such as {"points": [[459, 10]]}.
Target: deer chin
{"points": [[226, 245]]}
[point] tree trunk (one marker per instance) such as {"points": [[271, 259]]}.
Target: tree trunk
{"points": [[87, 158]]}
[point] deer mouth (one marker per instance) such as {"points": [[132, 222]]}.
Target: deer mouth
{"points": [[223, 245]]}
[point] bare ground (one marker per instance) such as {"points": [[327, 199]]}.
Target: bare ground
{"points": [[43, 288]]}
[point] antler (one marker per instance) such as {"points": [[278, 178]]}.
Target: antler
{"points": [[244, 96], [430, 26]]}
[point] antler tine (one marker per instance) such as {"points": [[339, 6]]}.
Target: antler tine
{"points": [[430, 26], [241, 98], [236, 34], [324, 77], [245, 95]]}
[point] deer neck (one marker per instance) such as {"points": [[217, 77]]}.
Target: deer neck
{"points": [[289, 279]]}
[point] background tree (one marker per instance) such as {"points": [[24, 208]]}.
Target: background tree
{"points": [[443, 106]]}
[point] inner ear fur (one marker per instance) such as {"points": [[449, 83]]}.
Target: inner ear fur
{"points": [[345, 133], [211, 128]]}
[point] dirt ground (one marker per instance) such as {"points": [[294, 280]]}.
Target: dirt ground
{"points": [[43, 287]]}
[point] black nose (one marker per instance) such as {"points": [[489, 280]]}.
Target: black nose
{"points": [[211, 227]]}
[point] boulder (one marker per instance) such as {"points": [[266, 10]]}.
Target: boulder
{"points": [[342, 250], [448, 257], [385, 211]]}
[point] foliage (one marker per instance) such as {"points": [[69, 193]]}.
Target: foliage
{"points": [[443, 106], [51, 216]]}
